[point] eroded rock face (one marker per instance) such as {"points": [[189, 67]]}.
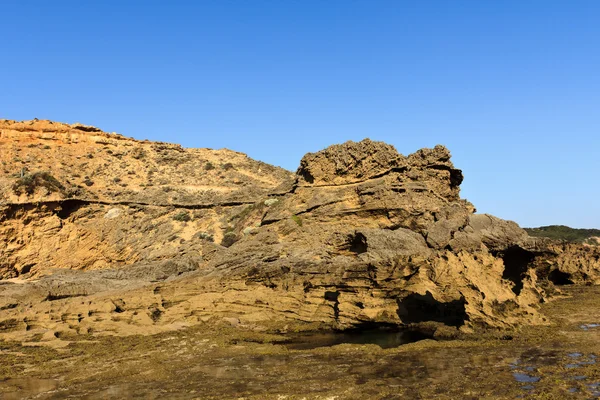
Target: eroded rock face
{"points": [[72, 196], [362, 238], [565, 263], [349, 163], [361, 235], [78, 162]]}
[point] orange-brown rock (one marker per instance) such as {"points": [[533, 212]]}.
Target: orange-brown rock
{"points": [[72, 196], [108, 235]]}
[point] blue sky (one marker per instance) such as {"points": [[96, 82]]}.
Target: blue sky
{"points": [[512, 88]]}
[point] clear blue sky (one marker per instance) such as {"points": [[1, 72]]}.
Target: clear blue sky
{"points": [[511, 87]]}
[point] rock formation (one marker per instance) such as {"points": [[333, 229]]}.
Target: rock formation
{"points": [[108, 235], [74, 197]]}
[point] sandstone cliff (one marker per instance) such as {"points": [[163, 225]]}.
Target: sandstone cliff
{"points": [[106, 234], [72, 196]]}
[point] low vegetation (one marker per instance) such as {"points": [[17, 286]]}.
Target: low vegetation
{"points": [[229, 239], [182, 216], [562, 232], [30, 182]]}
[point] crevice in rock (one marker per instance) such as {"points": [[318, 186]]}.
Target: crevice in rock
{"points": [[416, 308], [318, 206], [516, 263], [68, 207], [72, 202], [334, 297], [358, 243], [384, 173], [53, 297], [26, 268]]}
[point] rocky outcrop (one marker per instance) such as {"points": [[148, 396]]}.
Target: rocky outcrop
{"points": [[95, 166], [365, 238], [565, 263], [72, 196], [360, 236]]}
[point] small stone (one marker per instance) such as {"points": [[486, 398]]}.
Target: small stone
{"points": [[113, 213], [249, 230], [270, 202]]}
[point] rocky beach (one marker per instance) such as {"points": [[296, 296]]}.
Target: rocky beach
{"points": [[138, 269]]}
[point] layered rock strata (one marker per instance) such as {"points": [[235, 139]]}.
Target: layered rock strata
{"points": [[360, 236], [72, 196]]}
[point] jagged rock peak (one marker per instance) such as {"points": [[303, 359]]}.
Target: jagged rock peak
{"points": [[354, 162], [349, 162]]}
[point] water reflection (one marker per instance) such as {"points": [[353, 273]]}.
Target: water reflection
{"points": [[524, 378], [385, 339], [586, 327], [530, 360]]}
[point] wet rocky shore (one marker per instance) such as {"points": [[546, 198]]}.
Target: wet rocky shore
{"points": [[555, 361]]}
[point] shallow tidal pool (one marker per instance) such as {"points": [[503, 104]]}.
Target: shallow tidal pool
{"points": [[558, 361]]}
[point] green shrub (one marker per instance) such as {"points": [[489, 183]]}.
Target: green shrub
{"points": [[138, 153], [182, 216], [228, 239], [208, 166], [30, 182], [205, 236]]}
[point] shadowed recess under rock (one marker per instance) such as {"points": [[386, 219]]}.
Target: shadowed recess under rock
{"points": [[560, 278], [358, 243], [416, 308], [385, 338]]}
